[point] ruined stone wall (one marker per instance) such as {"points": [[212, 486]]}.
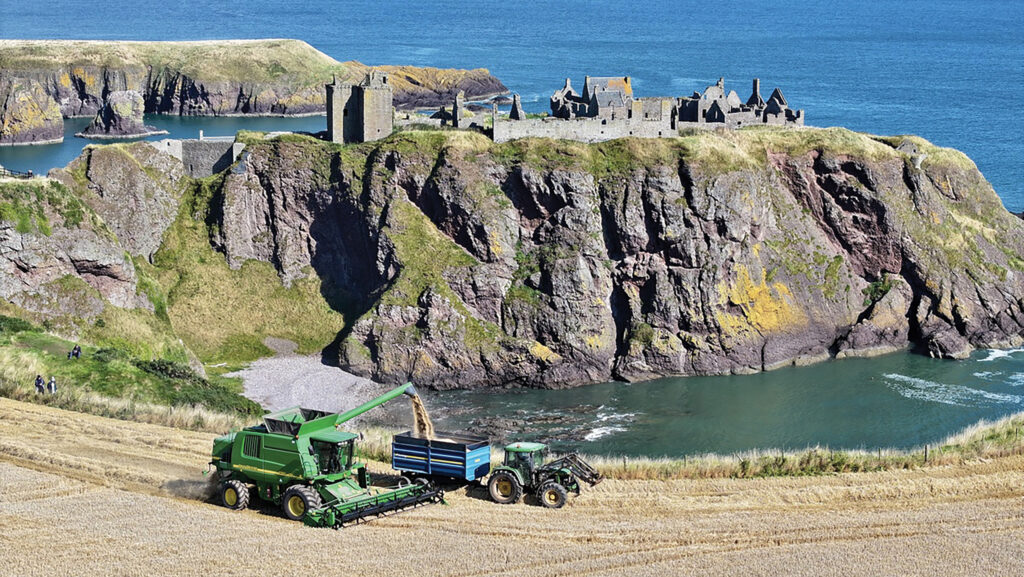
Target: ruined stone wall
{"points": [[581, 129], [202, 158]]}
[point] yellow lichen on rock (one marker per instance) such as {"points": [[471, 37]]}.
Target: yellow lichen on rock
{"points": [[544, 353], [765, 308]]}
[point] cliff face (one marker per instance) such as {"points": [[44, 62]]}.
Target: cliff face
{"points": [[459, 262], [57, 257], [121, 116], [27, 113], [280, 77], [443, 258]]}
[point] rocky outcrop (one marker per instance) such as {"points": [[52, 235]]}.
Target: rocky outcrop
{"points": [[57, 258], [458, 262], [27, 113], [234, 77], [133, 188], [461, 263], [120, 117]]}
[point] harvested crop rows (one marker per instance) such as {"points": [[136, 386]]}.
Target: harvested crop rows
{"points": [[107, 497]]}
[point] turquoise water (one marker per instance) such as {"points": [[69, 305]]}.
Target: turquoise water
{"points": [[947, 70], [41, 158], [898, 400]]}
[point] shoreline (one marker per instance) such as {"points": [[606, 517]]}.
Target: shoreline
{"points": [[34, 142], [120, 136]]}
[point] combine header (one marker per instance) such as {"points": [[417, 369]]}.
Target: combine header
{"points": [[298, 459]]}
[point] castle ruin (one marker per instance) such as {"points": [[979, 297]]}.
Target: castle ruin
{"points": [[360, 112], [607, 109]]}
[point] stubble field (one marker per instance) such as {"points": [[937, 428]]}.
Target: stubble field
{"points": [[86, 495]]}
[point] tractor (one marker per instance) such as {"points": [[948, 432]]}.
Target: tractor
{"points": [[299, 459], [524, 470]]}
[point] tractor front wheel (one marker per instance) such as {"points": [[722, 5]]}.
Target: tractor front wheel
{"points": [[504, 488], [297, 500], [234, 494], [552, 495]]}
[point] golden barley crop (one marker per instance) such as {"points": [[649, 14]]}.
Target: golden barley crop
{"points": [[87, 495]]}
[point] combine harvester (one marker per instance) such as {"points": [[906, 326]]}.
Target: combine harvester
{"points": [[298, 459]]}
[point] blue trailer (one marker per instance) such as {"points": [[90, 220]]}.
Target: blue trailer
{"points": [[454, 455]]}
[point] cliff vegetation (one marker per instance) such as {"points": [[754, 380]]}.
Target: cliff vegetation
{"points": [[444, 258]]}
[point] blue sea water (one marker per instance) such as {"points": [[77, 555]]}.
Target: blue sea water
{"points": [[950, 71]]}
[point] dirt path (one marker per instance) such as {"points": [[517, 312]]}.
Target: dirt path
{"points": [[103, 490]]}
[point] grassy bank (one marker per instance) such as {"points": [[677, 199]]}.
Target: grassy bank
{"points": [[984, 440], [111, 382]]}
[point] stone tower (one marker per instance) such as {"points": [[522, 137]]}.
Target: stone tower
{"points": [[362, 112], [460, 99], [755, 99]]}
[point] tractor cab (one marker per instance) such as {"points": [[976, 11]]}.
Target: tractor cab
{"points": [[525, 458]]}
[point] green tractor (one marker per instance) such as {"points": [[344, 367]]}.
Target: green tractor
{"points": [[298, 459], [524, 470]]}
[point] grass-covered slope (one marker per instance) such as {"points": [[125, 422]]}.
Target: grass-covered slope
{"points": [[27, 350]]}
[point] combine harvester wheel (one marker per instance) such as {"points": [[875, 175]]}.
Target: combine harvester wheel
{"points": [[234, 494], [299, 499]]}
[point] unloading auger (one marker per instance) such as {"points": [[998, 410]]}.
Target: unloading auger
{"points": [[298, 459]]}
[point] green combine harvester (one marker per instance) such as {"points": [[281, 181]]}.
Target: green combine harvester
{"points": [[299, 460]]}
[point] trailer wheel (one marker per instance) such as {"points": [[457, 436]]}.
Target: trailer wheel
{"points": [[297, 500], [234, 494], [504, 488], [552, 495]]}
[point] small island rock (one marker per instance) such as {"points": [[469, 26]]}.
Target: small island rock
{"points": [[120, 117]]}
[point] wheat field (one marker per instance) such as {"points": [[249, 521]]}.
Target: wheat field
{"points": [[88, 495]]}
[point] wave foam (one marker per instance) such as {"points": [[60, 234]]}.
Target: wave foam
{"points": [[599, 432], [996, 354], [959, 395]]}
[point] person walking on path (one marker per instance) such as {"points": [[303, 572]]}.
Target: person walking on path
{"points": [[39, 384], [52, 386]]}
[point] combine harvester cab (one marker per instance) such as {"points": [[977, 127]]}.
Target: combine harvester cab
{"points": [[299, 460]]}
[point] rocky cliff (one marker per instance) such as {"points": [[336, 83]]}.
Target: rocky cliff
{"points": [[463, 263], [280, 77], [27, 113], [456, 262], [120, 117]]}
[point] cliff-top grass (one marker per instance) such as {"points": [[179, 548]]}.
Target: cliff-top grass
{"points": [[240, 60], [251, 61]]}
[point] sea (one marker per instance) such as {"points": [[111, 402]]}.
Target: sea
{"points": [[949, 71]]}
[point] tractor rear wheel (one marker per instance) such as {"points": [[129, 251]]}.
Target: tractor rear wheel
{"points": [[504, 488], [298, 499], [552, 495], [234, 494]]}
